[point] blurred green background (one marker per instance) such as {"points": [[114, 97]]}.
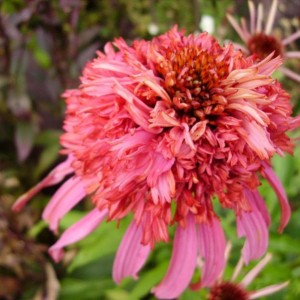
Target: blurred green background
{"points": [[43, 47]]}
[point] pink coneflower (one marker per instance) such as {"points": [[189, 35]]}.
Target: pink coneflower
{"points": [[231, 290], [161, 128], [262, 41]]}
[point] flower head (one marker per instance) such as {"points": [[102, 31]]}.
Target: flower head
{"points": [[160, 129], [262, 41], [232, 290]]}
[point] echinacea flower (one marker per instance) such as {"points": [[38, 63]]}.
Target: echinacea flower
{"points": [[263, 41], [160, 130], [231, 289]]}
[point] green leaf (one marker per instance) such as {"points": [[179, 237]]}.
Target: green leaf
{"points": [[37, 229], [148, 279], [117, 294], [98, 268], [40, 55], [77, 289], [285, 244], [103, 241], [49, 140]]}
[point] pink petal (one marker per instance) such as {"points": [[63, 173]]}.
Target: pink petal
{"points": [[212, 246], [77, 231], [254, 228], [258, 139], [183, 262], [252, 274], [255, 199], [242, 33], [55, 176], [279, 190], [268, 290], [131, 254], [65, 198]]}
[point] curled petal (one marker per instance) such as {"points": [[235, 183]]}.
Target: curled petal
{"points": [[165, 188], [182, 263], [131, 254], [258, 140], [54, 177], [212, 246], [65, 198], [279, 190], [138, 110], [253, 227], [198, 130], [77, 231]]}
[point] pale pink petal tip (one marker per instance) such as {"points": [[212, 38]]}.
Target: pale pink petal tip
{"points": [[131, 254], [250, 276], [65, 198], [281, 194], [269, 290], [77, 231], [254, 228], [54, 177], [212, 244], [183, 262]]}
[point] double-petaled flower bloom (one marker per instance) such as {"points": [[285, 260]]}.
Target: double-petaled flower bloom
{"points": [[261, 40], [161, 130]]}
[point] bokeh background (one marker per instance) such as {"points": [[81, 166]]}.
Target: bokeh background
{"points": [[43, 47]]}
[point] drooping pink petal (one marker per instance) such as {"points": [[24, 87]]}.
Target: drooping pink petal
{"points": [[182, 263], [212, 246], [131, 254], [253, 227], [255, 199], [280, 192], [55, 176], [77, 231], [65, 198]]}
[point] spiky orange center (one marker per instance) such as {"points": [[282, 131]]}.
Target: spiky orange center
{"points": [[263, 45], [192, 79], [228, 291]]}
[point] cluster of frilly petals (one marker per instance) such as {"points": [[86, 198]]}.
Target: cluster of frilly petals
{"points": [[260, 40], [161, 129]]}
